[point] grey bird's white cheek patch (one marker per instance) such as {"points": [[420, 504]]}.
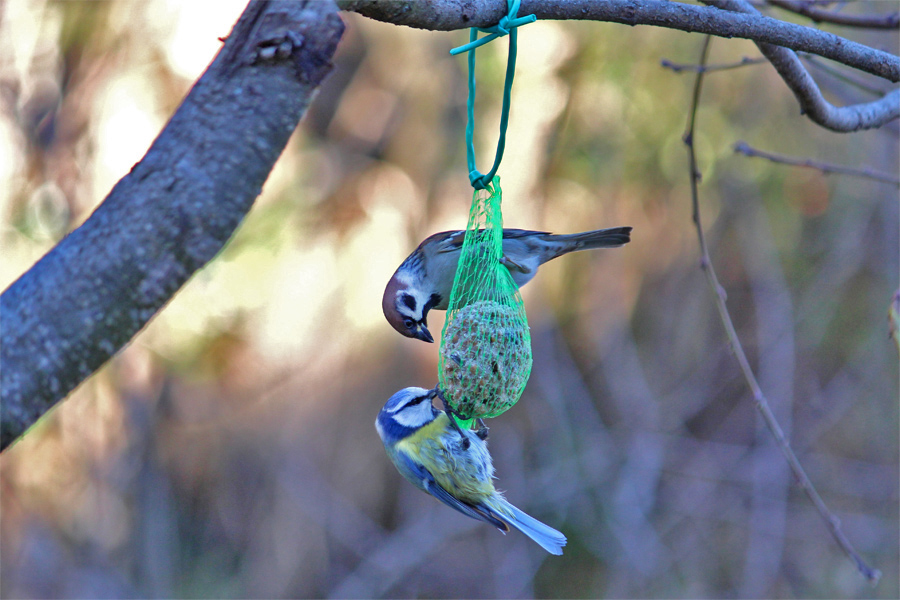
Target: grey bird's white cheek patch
{"points": [[420, 297]]}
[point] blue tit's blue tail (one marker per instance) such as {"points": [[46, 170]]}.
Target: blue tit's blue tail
{"points": [[547, 538]]}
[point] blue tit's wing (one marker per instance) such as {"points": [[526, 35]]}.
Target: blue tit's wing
{"points": [[475, 512], [435, 489]]}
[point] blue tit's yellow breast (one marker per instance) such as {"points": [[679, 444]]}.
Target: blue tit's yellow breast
{"points": [[465, 473], [421, 440]]}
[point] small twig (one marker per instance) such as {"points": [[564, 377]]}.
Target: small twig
{"points": [[812, 59], [678, 68], [762, 405], [821, 15], [815, 61], [894, 319], [745, 149]]}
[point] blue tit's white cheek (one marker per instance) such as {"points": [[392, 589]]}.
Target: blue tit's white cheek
{"points": [[415, 416]]}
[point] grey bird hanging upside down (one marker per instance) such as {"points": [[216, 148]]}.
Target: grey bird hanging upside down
{"points": [[423, 281]]}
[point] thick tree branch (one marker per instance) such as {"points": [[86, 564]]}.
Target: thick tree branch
{"points": [[447, 15], [812, 103], [170, 215], [889, 20]]}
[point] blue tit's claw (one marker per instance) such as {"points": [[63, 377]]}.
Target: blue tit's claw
{"points": [[453, 416]]}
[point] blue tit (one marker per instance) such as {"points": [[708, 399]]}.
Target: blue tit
{"points": [[452, 465]]}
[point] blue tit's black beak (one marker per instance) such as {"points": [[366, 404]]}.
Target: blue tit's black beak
{"points": [[423, 334]]}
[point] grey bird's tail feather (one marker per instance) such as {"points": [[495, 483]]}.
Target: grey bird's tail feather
{"points": [[546, 537], [601, 238]]}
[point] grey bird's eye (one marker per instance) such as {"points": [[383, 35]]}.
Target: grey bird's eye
{"points": [[409, 323]]}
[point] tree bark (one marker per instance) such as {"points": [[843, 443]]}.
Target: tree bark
{"points": [[87, 297], [727, 18], [447, 15], [842, 119]]}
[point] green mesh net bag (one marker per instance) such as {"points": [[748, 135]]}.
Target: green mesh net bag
{"points": [[485, 354]]}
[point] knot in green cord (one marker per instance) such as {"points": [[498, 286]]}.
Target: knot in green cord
{"points": [[478, 180], [501, 27], [504, 27], [507, 26]]}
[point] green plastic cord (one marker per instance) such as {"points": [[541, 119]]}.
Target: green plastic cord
{"points": [[507, 26], [485, 351]]}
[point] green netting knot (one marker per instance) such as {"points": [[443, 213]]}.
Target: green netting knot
{"points": [[485, 354]]}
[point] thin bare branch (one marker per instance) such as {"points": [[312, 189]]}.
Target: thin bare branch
{"points": [[745, 149], [842, 119], [820, 15], [680, 68], [813, 60], [818, 63], [894, 319], [448, 15], [762, 405]]}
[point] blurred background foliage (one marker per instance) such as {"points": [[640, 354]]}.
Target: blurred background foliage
{"points": [[229, 450]]}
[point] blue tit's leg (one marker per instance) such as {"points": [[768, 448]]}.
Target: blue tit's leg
{"points": [[452, 413], [513, 265], [482, 431]]}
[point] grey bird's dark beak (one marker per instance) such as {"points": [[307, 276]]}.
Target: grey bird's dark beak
{"points": [[423, 334]]}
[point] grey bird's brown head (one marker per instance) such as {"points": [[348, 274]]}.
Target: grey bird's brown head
{"points": [[405, 310]]}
